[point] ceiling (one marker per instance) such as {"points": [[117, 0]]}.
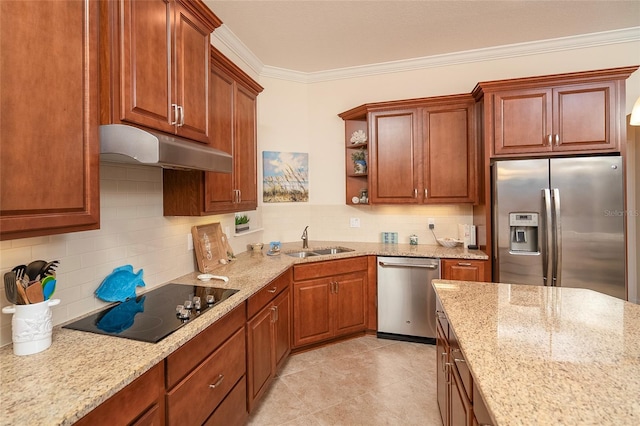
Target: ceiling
{"points": [[319, 35]]}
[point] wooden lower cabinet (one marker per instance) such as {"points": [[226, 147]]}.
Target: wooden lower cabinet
{"points": [[206, 371], [463, 269], [329, 300], [139, 403], [268, 336]]}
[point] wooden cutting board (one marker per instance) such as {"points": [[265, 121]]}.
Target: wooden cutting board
{"points": [[211, 246]]}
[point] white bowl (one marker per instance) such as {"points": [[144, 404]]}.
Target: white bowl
{"points": [[448, 242]]}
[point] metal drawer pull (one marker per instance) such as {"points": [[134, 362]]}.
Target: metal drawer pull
{"points": [[216, 384], [549, 139], [273, 290], [459, 360], [464, 264], [557, 140]]}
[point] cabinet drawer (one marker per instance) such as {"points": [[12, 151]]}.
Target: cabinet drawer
{"points": [[233, 410], [140, 401], [195, 398], [268, 293], [185, 359], [329, 268], [460, 364]]}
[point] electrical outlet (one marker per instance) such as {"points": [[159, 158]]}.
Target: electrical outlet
{"points": [[432, 226], [189, 241], [354, 222], [432, 223]]}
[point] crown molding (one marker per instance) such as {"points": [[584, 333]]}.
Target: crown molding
{"points": [[582, 41], [233, 43]]}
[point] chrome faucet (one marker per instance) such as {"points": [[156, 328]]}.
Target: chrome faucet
{"points": [[305, 238]]}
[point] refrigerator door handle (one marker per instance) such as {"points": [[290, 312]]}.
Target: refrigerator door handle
{"points": [[547, 235], [557, 240]]}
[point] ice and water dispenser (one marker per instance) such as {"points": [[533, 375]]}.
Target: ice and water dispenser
{"points": [[523, 232]]}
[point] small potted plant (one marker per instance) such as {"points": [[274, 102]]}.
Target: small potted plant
{"points": [[359, 161], [242, 223]]}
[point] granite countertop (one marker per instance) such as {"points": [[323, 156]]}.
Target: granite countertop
{"points": [[548, 355], [81, 370]]}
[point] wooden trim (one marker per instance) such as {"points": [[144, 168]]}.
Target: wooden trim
{"points": [[360, 112], [621, 73], [202, 12], [218, 59]]}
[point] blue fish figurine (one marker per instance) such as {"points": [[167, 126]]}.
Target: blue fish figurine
{"points": [[120, 285]]}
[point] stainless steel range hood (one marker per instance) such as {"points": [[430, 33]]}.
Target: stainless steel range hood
{"points": [[127, 144]]}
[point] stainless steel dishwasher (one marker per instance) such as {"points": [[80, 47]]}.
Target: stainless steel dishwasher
{"points": [[406, 299]]}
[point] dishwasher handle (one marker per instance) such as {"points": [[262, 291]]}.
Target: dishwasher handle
{"points": [[405, 265]]}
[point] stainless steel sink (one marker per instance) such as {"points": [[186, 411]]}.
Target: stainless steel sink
{"points": [[301, 254], [332, 250], [318, 252]]}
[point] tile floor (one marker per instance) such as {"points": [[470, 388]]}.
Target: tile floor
{"points": [[361, 381]]}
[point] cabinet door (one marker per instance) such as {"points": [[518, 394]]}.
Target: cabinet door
{"points": [[463, 270], [191, 71], [49, 110], [282, 328], [394, 163], [145, 80], [584, 118], [449, 154], [522, 121], [311, 311], [350, 302], [245, 149], [442, 375], [219, 189], [461, 413], [260, 350]]}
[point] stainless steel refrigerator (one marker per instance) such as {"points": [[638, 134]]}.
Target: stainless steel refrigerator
{"points": [[560, 222]]}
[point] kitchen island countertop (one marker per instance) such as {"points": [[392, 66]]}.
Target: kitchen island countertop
{"points": [[81, 370], [548, 355]]}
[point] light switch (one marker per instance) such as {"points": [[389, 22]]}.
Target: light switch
{"points": [[355, 222]]}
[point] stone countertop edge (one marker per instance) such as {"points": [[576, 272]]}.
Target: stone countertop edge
{"points": [[547, 355], [81, 370]]}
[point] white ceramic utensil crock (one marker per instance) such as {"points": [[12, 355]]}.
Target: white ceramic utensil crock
{"points": [[31, 326]]}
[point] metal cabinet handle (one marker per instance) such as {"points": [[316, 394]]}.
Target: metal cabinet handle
{"points": [[404, 265], [426, 192], [557, 137], [277, 312], [181, 113], [272, 290], [175, 114], [443, 362], [337, 287], [415, 193], [448, 372], [218, 382], [549, 136], [464, 264], [239, 196]]}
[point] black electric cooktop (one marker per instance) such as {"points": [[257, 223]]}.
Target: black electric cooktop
{"points": [[154, 315]]}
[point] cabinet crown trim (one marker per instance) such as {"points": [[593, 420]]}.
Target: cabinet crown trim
{"points": [[621, 73]]}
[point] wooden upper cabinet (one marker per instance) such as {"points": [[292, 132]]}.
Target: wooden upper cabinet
{"points": [[49, 110], [578, 113], [421, 151], [449, 151], [158, 53], [233, 118], [233, 123], [394, 157]]}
